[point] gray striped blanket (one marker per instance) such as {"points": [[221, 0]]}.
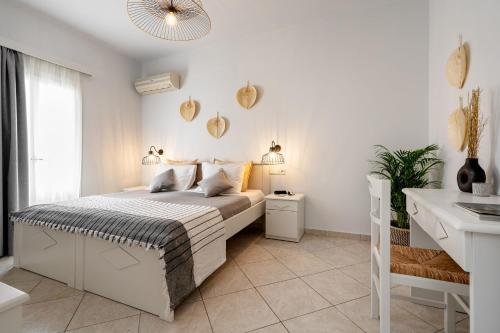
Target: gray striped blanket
{"points": [[177, 231]]}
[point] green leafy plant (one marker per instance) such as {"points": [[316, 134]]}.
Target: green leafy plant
{"points": [[405, 169]]}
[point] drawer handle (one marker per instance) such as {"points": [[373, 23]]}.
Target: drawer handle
{"points": [[442, 234], [282, 207], [415, 209]]}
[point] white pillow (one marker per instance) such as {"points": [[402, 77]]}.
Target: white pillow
{"points": [[234, 172], [184, 175]]}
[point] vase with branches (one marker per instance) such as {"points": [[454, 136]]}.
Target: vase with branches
{"points": [[471, 171], [405, 169]]}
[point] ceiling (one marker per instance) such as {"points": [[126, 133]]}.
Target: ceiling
{"points": [[108, 20]]}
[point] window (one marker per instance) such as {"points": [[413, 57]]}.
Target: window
{"points": [[54, 107]]}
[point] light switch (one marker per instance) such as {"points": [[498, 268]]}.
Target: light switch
{"points": [[277, 170]]}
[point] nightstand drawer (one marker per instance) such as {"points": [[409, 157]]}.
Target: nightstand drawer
{"points": [[282, 205], [281, 223]]}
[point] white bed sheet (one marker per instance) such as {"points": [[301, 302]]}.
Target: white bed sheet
{"points": [[255, 196]]}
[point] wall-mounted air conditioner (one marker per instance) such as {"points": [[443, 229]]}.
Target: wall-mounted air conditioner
{"points": [[157, 84]]}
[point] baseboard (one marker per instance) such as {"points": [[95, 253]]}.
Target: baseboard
{"points": [[318, 232]]}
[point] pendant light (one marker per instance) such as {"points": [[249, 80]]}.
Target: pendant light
{"points": [[175, 20]]}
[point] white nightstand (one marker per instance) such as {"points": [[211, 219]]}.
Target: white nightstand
{"points": [[285, 217]]}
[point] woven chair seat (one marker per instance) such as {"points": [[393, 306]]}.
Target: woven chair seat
{"points": [[426, 263]]}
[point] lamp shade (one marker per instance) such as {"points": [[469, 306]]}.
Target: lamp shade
{"points": [[273, 157], [151, 160], [153, 156]]}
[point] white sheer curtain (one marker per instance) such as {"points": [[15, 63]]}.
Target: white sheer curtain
{"points": [[54, 103]]}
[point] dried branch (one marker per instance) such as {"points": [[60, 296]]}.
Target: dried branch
{"points": [[475, 124]]}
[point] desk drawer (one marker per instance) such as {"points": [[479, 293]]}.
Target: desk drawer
{"points": [[451, 240], [282, 205]]}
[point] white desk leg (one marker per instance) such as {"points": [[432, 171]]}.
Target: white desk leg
{"points": [[485, 284]]}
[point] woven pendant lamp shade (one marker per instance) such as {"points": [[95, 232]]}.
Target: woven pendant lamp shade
{"points": [[273, 157], [153, 156], [175, 20], [151, 160]]}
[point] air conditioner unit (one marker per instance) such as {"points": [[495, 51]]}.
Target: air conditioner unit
{"points": [[157, 84]]}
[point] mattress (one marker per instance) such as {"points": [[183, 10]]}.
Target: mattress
{"points": [[255, 196], [228, 205]]}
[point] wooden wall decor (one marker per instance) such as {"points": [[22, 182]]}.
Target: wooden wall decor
{"points": [[457, 66], [188, 110], [457, 128], [217, 126], [247, 96]]}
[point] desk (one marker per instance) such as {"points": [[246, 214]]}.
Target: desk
{"points": [[473, 244]]}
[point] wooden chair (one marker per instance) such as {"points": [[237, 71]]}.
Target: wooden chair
{"points": [[415, 267]]}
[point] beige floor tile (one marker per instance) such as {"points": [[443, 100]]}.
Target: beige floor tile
{"points": [[48, 290], [249, 254], [305, 264], [266, 272], [51, 316], [283, 248], [96, 310], [336, 287], [194, 297], [19, 275], [239, 312], [189, 317], [462, 327], [276, 328], [227, 279], [26, 286], [324, 321], [360, 272], [339, 257], [344, 241], [361, 249], [292, 298], [125, 325], [431, 315], [315, 243], [401, 321]]}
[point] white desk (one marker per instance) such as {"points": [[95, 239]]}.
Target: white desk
{"points": [[473, 244]]}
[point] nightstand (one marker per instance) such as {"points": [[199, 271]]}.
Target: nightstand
{"points": [[285, 217]]}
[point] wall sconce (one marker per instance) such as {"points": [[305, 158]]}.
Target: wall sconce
{"points": [[153, 156], [273, 157]]}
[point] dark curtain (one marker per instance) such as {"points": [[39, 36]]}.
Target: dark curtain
{"points": [[14, 135]]}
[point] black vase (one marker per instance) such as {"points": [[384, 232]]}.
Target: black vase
{"points": [[470, 172]]}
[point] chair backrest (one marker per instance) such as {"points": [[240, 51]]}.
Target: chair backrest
{"points": [[380, 217]]}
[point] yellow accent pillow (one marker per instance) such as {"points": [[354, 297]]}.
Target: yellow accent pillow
{"points": [[246, 173]]}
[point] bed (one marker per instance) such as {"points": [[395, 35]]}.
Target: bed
{"points": [[133, 273]]}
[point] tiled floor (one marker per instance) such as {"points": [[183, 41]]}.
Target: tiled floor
{"points": [[266, 286]]}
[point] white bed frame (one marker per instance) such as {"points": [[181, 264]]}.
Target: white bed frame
{"points": [[129, 275]]}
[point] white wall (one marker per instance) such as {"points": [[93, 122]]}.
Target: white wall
{"points": [[330, 89], [478, 22], [111, 107]]}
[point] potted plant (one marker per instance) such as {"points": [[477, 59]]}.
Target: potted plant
{"points": [[405, 169]]}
